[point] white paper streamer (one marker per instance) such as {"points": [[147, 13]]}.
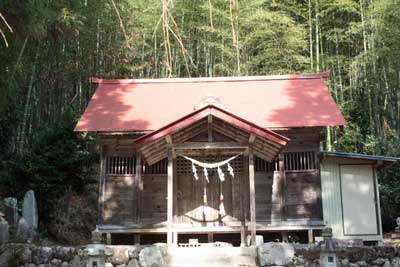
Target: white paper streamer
{"points": [[206, 174], [195, 171], [221, 174], [230, 170], [206, 166]]}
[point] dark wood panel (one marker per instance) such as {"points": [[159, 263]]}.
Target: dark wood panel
{"points": [[154, 198], [302, 138], [119, 193], [303, 195], [268, 195]]}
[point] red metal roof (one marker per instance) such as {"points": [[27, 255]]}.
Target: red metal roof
{"points": [[268, 101]]}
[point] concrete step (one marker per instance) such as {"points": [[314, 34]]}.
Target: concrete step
{"points": [[211, 257]]}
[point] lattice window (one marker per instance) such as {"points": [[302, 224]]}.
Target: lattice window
{"points": [[265, 166], [297, 161], [157, 168], [120, 165]]}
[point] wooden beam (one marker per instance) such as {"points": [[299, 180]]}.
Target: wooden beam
{"points": [[252, 138], [225, 145], [168, 139], [189, 228], [252, 198], [170, 199]]}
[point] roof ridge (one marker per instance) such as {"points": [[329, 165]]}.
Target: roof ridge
{"points": [[215, 79]]}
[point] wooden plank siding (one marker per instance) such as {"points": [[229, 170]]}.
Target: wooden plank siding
{"points": [[129, 199]]}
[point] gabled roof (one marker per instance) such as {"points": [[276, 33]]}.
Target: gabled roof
{"points": [[266, 144], [268, 101]]}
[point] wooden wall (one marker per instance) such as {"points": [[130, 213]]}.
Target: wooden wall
{"points": [[299, 188], [130, 199], [118, 188]]}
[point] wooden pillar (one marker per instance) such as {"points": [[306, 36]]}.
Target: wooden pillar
{"points": [[170, 198], [285, 236], [242, 195], [108, 238], [137, 239], [310, 236], [210, 237], [175, 238], [102, 186], [175, 189], [139, 188], [242, 236], [283, 185], [252, 198]]}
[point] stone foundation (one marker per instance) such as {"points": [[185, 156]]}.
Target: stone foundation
{"points": [[25, 255]]}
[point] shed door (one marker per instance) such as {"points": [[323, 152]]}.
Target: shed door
{"points": [[358, 200]]}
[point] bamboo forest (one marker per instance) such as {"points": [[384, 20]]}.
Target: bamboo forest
{"points": [[49, 50]]}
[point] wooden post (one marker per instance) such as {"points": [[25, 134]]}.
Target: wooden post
{"points": [[102, 186], [210, 237], [242, 236], [310, 236], [285, 236], [170, 198], [252, 198], [108, 238], [137, 239], [175, 239], [242, 194], [139, 188], [283, 185]]}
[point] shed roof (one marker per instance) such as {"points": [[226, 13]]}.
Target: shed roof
{"points": [[268, 101], [385, 159]]}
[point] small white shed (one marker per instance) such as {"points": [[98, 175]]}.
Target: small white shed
{"points": [[350, 194]]}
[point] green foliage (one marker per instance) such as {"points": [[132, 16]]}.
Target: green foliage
{"points": [[56, 161], [74, 216]]}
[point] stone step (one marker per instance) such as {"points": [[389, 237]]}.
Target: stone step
{"points": [[211, 257]]}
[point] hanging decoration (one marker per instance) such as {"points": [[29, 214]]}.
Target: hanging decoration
{"points": [[206, 174], [216, 165], [221, 175], [221, 206], [230, 170], [194, 170]]}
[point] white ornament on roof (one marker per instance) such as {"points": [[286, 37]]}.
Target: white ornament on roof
{"points": [[209, 100]]}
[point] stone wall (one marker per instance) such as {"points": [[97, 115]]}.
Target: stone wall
{"points": [[26, 255], [270, 254]]}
